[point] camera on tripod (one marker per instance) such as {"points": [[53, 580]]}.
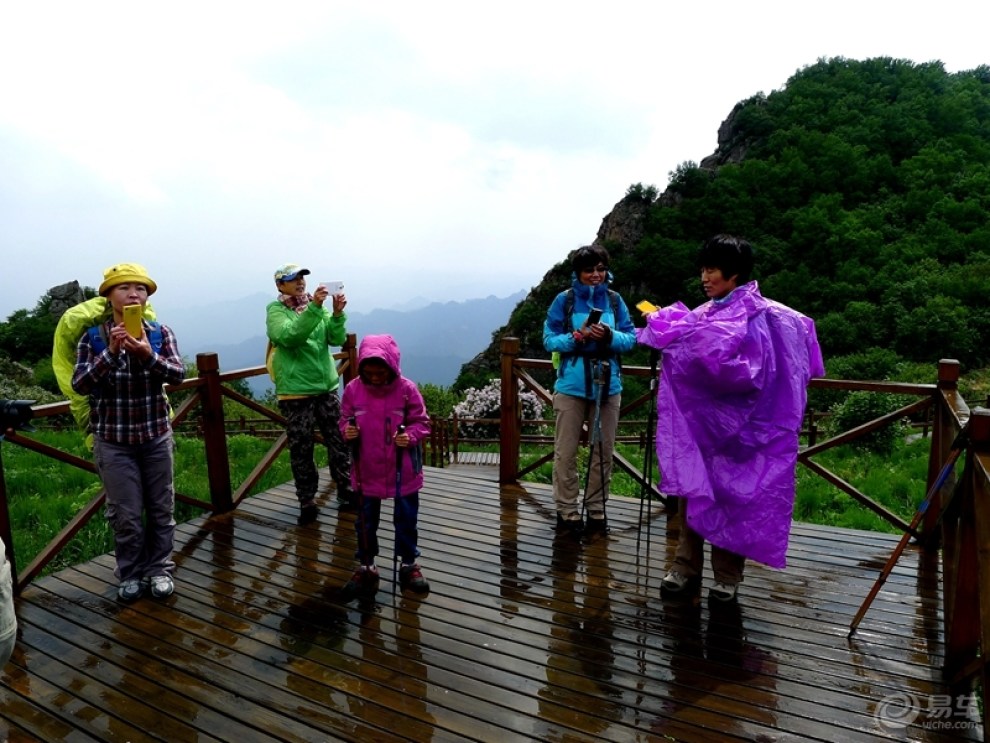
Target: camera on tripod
{"points": [[16, 415]]}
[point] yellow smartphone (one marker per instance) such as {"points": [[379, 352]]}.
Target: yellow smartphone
{"points": [[132, 319], [646, 307]]}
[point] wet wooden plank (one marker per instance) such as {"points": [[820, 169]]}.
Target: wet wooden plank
{"points": [[522, 636]]}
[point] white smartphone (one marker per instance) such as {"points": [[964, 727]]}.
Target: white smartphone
{"points": [[334, 287]]}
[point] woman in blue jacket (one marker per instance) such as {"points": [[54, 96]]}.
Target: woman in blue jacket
{"points": [[588, 386]]}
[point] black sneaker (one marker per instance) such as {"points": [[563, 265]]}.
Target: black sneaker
{"points": [[363, 584], [308, 514], [411, 578], [571, 527]]}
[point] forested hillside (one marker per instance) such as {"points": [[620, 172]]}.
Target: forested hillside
{"points": [[865, 188]]}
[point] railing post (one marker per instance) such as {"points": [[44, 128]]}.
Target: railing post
{"points": [[965, 568], [511, 424], [943, 434], [979, 431], [351, 368], [214, 432]]}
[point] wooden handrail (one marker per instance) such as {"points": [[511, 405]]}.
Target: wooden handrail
{"points": [[965, 522], [208, 393]]}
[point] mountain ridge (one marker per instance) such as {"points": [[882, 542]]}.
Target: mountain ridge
{"points": [[435, 340]]}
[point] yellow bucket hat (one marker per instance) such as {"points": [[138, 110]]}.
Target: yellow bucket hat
{"points": [[127, 273]]}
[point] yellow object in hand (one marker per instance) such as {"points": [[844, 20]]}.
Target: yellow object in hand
{"points": [[132, 319]]}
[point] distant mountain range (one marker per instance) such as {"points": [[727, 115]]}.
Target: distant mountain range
{"points": [[435, 340]]}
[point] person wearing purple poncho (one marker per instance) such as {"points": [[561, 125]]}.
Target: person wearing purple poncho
{"points": [[731, 399]]}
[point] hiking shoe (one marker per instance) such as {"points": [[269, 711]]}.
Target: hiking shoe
{"points": [[130, 590], [161, 586], [411, 577], [347, 499], [364, 583], [723, 591], [674, 582], [571, 527], [308, 514], [596, 526]]}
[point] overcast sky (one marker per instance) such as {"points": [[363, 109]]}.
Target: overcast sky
{"points": [[447, 150]]}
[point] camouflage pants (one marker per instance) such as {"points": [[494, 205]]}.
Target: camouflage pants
{"points": [[302, 416]]}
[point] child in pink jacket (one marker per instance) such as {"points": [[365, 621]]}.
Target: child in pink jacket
{"points": [[384, 419]]}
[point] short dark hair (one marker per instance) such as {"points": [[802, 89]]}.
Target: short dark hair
{"points": [[589, 256], [732, 255]]}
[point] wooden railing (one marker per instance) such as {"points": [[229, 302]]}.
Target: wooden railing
{"points": [[957, 517], [208, 392]]}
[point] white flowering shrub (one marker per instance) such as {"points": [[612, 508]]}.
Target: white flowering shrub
{"points": [[487, 403]]}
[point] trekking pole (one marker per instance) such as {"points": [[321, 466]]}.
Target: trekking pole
{"points": [[646, 493], [362, 524], [398, 494], [596, 440], [606, 375], [958, 445]]}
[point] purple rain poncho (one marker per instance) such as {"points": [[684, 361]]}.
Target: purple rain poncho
{"points": [[733, 387]]}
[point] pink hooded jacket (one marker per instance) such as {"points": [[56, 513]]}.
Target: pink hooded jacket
{"points": [[733, 387], [378, 411]]}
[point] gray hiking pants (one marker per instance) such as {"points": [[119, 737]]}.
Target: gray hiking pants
{"points": [[138, 479]]}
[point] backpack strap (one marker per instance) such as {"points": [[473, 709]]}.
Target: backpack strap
{"points": [[569, 310], [98, 336]]}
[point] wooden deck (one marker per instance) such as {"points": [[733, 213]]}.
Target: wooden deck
{"points": [[521, 637]]}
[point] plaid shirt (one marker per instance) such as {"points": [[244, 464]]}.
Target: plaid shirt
{"points": [[126, 394]]}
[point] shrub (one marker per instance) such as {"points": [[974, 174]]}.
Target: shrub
{"points": [[861, 407], [439, 400], [486, 402]]}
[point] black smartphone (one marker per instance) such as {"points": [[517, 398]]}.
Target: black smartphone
{"points": [[594, 316]]}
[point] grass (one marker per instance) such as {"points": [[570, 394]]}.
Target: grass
{"points": [[896, 481], [44, 494]]}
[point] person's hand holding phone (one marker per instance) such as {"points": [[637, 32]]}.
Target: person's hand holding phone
{"points": [[320, 295], [593, 328]]}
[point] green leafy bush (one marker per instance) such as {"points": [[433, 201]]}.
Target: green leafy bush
{"points": [[440, 401], [859, 408]]}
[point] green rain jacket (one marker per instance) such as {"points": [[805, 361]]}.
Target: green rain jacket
{"points": [[302, 365]]}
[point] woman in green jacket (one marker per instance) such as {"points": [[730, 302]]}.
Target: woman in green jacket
{"points": [[301, 331]]}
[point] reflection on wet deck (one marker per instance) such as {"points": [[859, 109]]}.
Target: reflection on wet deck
{"points": [[520, 638]]}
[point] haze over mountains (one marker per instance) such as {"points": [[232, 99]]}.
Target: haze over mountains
{"points": [[435, 339]]}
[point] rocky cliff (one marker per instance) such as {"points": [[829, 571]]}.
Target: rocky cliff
{"points": [[621, 231]]}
